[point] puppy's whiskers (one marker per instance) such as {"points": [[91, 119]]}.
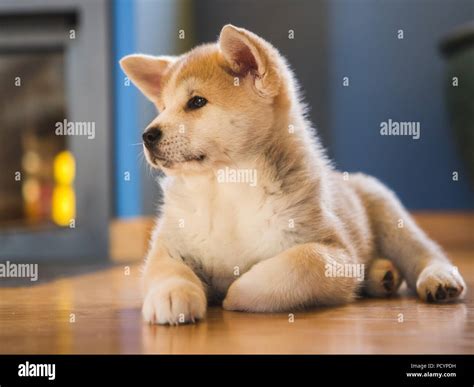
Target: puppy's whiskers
{"points": [[148, 167]]}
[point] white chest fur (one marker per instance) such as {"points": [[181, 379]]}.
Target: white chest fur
{"points": [[222, 229]]}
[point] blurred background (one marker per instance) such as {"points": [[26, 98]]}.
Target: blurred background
{"points": [[75, 196]]}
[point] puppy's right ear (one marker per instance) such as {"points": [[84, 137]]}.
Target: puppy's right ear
{"points": [[249, 54], [146, 72]]}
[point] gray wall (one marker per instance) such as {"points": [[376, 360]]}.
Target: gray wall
{"points": [[389, 78], [401, 80]]}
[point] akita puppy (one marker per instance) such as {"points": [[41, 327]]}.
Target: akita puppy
{"points": [[265, 243]]}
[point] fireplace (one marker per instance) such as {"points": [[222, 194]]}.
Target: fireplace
{"points": [[29, 108], [54, 130]]}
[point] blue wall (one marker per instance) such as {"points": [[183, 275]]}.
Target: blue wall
{"points": [[127, 154], [389, 78], [140, 26], [401, 80]]}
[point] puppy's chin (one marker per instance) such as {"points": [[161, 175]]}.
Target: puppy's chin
{"points": [[193, 165], [185, 168]]}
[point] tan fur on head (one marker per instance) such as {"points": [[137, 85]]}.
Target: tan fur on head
{"points": [[237, 74], [281, 243]]}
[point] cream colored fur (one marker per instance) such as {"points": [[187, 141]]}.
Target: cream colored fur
{"points": [[266, 247]]}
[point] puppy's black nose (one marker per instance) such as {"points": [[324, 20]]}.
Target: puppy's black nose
{"points": [[151, 136]]}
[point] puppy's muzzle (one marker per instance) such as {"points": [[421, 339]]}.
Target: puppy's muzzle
{"points": [[151, 137]]}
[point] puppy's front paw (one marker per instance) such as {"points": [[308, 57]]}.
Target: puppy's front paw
{"points": [[237, 298], [176, 301], [250, 293], [440, 282]]}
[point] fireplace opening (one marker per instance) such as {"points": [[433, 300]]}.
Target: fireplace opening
{"points": [[32, 101]]}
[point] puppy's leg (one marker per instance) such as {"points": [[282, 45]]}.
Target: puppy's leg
{"points": [[420, 260], [173, 293], [294, 278], [382, 279]]}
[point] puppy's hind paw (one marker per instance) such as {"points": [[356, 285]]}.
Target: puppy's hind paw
{"points": [[440, 282], [383, 279]]}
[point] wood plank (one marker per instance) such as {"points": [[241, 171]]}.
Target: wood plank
{"points": [[129, 238], [106, 304], [450, 229]]}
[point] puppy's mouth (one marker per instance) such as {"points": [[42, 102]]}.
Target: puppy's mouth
{"points": [[197, 158], [170, 163]]}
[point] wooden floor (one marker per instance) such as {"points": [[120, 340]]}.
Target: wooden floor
{"points": [[99, 312]]}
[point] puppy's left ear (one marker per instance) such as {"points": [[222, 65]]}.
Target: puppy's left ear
{"points": [[146, 72], [248, 54]]}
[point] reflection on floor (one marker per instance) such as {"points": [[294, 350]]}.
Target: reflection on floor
{"points": [[99, 312]]}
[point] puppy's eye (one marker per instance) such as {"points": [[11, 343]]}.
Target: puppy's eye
{"points": [[196, 102]]}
